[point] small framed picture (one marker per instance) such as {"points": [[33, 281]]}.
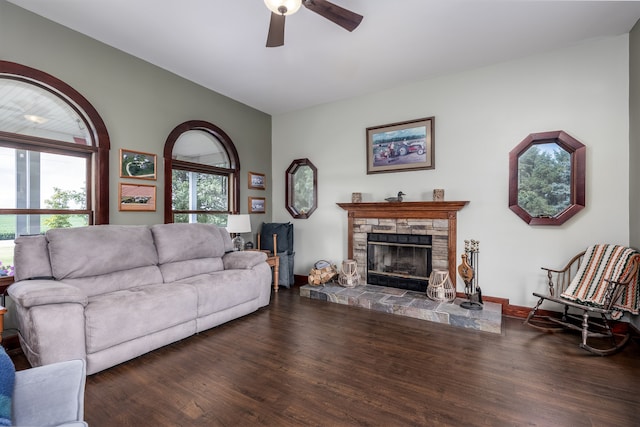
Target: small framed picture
{"points": [[257, 181], [136, 164], [402, 146], [137, 197], [257, 205]]}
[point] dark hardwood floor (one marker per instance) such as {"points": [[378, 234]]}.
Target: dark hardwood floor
{"points": [[308, 362]]}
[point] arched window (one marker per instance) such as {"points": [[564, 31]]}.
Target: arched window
{"points": [[201, 174], [54, 157]]}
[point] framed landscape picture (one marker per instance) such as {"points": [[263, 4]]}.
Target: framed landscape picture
{"points": [[257, 205], [136, 164], [257, 181], [137, 197], [402, 146]]}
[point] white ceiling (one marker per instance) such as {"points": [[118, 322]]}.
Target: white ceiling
{"points": [[220, 44]]}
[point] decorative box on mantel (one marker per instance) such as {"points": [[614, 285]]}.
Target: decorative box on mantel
{"points": [[438, 219]]}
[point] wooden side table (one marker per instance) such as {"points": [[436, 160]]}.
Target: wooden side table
{"points": [[2, 312], [5, 282], [274, 261]]}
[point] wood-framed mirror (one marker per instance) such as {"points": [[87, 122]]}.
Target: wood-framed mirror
{"points": [[301, 180], [547, 178]]}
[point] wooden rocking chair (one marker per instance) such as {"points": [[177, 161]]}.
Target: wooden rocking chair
{"points": [[601, 282]]}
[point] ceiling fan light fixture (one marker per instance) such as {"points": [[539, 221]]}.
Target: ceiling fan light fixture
{"points": [[39, 120], [283, 7]]}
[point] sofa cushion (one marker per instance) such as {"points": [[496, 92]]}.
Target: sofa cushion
{"points": [[178, 270], [117, 280], [31, 293], [125, 315], [31, 258], [99, 249], [224, 289], [180, 242], [243, 259], [50, 395]]}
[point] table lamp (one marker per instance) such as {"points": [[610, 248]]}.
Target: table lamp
{"points": [[237, 224]]}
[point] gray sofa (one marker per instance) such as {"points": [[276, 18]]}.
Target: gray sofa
{"points": [[109, 293]]}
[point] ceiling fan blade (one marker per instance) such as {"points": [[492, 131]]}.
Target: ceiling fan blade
{"points": [[334, 13], [275, 37]]}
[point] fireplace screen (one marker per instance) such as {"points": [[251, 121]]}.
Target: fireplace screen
{"points": [[399, 260]]}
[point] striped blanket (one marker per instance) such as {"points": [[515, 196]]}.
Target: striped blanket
{"points": [[612, 262]]}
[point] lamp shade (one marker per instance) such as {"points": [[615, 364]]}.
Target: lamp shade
{"points": [[240, 223], [237, 224], [283, 7]]}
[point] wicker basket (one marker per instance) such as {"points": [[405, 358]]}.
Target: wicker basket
{"points": [[349, 276], [440, 287]]}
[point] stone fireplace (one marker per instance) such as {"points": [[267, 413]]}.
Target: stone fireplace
{"points": [[437, 221], [411, 224]]}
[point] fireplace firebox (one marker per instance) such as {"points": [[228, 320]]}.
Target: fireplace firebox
{"points": [[399, 260]]}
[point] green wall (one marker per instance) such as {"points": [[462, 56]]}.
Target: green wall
{"points": [[139, 102]]}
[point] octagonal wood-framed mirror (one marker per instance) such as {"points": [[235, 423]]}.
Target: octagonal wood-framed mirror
{"points": [[547, 178], [301, 180]]}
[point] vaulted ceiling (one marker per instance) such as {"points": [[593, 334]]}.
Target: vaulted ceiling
{"points": [[221, 44]]}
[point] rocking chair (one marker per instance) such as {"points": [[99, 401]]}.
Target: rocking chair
{"points": [[601, 282]]}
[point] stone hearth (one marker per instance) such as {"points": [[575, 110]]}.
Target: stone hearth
{"points": [[437, 219], [410, 304]]}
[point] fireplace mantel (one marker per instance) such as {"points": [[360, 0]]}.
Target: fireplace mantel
{"points": [[409, 210], [429, 210]]}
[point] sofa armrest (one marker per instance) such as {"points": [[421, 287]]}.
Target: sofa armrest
{"points": [[30, 293], [50, 395], [242, 260]]}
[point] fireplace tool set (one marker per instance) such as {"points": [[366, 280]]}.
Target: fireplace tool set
{"points": [[468, 270]]}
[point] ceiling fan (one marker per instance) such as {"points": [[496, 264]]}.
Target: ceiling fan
{"points": [[281, 8]]}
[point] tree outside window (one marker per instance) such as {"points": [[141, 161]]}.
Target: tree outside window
{"points": [[201, 174], [50, 138], [544, 173]]}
